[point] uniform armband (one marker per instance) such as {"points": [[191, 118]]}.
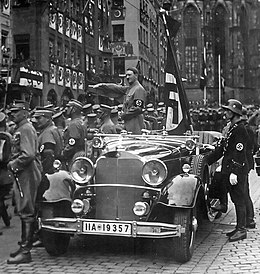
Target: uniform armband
{"points": [[139, 103]]}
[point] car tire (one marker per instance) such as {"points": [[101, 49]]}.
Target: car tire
{"points": [[183, 246], [55, 243], [199, 167]]}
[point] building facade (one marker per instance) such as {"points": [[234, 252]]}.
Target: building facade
{"points": [[54, 50], [6, 47], [228, 32], [59, 47], [138, 40]]}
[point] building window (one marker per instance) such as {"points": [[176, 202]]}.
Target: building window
{"points": [[119, 66], [51, 49], [191, 27], [66, 54], [72, 57], [118, 33], [22, 46], [59, 53], [78, 63]]}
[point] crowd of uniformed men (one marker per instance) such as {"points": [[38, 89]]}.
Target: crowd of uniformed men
{"points": [[48, 133]]}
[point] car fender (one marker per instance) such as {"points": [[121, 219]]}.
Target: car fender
{"points": [[182, 191], [60, 187]]}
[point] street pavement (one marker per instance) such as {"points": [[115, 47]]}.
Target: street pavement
{"points": [[213, 253]]}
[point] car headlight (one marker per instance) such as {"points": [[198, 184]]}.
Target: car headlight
{"points": [[141, 208], [186, 168], [77, 206], [190, 144], [97, 142], [82, 170], [154, 172]]}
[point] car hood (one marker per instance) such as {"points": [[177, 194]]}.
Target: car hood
{"points": [[145, 148]]}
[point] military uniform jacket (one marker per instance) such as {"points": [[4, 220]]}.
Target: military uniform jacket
{"points": [[108, 127], [50, 146], [133, 117], [73, 137], [234, 151], [26, 163]]}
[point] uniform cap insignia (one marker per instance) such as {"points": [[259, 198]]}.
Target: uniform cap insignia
{"points": [[239, 146], [72, 142]]}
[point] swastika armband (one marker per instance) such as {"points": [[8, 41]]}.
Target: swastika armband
{"points": [[139, 103], [239, 146], [72, 142]]}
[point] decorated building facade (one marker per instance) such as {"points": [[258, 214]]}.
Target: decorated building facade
{"points": [[227, 33]]}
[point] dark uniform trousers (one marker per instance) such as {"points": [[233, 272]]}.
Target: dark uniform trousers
{"points": [[235, 161]]}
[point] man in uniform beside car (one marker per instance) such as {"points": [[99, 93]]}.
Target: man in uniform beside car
{"points": [[74, 133], [234, 165], [26, 166], [50, 140], [106, 124]]}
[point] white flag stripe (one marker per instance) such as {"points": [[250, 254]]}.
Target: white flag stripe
{"points": [[169, 78], [170, 125]]}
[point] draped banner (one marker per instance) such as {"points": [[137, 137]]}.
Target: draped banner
{"points": [[178, 119]]}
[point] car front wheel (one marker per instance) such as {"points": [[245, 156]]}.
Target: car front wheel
{"points": [[55, 243], [183, 246]]}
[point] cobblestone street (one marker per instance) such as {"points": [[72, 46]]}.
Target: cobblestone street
{"points": [[213, 253]]}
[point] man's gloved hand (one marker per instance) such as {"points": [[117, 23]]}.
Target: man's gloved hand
{"points": [[233, 179]]}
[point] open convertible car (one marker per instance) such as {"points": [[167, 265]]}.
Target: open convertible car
{"points": [[140, 186]]}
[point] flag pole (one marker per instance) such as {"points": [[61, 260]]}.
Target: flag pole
{"points": [[205, 87], [219, 81], [175, 66]]}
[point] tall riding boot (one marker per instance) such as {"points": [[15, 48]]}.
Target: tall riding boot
{"points": [[24, 256], [240, 233], [3, 213], [15, 253]]}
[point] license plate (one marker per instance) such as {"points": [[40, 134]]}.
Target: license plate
{"points": [[106, 228]]}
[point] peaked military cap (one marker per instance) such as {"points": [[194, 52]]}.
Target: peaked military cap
{"points": [[75, 103], [96, 107], [19, 105], [105, 108], [43, 111], [92, 115], [57, 115]]}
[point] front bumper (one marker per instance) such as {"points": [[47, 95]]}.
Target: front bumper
{"points": [[133, 229]]}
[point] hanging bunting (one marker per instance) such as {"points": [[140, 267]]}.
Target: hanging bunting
{"points": [[80, 80], [60, 23], [52, 20], [52, 73], [67, 77], [67, 30], [60, 76], [74, 80]]}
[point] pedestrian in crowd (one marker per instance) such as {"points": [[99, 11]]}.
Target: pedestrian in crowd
{"points": [[50, 147], [251, 150], [234, 167], [6, 178], [59, 121], [26, 166], [134, 101], [74, 133], [115, 119], [49, 139], [151, 118], [106, 124]]}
